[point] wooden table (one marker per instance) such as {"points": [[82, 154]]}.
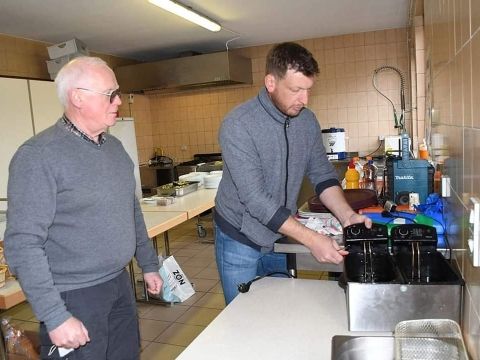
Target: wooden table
{"points": [[161, 222], [193, 204]]}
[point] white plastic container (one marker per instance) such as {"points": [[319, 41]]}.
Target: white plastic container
{"points": [[67, 48], [334, 143]]}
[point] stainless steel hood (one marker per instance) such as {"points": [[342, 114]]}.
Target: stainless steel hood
{"points": [[222, 68]]}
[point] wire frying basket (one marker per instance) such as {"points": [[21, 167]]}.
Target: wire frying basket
{"points": [[429, 339]]}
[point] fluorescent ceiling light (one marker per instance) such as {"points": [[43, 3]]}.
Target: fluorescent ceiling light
{"points": [[187, 14]]}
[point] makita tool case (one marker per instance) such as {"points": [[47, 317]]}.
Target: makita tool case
{"points": [[405, 176]]}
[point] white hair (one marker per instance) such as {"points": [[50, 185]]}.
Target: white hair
{"points": [[72, 73]]}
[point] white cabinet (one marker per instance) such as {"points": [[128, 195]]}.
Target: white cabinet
{"points": [[27, 108], [15, 123], [46, 108]]}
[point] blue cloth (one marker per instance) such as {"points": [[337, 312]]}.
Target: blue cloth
{"points": [[432, 207], [239, 263]]}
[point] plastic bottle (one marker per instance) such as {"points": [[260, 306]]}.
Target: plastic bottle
{"points": [[352, 176], [437, 179], [358, 166], [369, 174]]}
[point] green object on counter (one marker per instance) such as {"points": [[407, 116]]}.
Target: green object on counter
{"points": [[423, 219]]}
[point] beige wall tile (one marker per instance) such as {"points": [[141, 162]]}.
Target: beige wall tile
{"points": [[475, 46], [467, 84], [475, 16], [454, 90]]}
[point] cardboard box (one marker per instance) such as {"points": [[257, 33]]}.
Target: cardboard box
{"points": [[67, 48], [55, 65]]}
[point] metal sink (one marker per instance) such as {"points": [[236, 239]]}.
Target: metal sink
{"points": [[363, 348]]}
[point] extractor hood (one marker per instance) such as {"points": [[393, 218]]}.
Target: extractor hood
{"points": [[221, 68]]}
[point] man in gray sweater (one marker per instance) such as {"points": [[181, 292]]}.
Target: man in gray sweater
{"points": [[74, 223], [268, 145]]}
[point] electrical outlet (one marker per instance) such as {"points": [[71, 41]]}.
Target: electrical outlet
{"points": [[183, 147], [381, 137], [445, 186], [130, 98], [474, 231]]}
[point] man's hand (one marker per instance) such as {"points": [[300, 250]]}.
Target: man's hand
{"points": [[358, 219], [71, 334], [325, 249], [154, 282]]}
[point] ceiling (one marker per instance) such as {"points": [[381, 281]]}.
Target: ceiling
{"points": [[139, 30]]}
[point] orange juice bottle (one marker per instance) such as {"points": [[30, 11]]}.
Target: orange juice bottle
{"points": [[352, 176]]}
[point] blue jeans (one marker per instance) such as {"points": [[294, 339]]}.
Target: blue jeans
{"points": [[239, 263]]}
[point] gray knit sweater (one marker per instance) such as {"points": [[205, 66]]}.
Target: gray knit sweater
{"points": [[266, 155], [73, 220]]}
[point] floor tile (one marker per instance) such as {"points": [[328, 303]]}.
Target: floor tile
{"points": [[144, 344], [212, 301], [199, 261], [217, 288], [198, 316], [186, 252], [203, 284], [151, 329], [196, 245], [192, 271], [180, 334], [144, 308], [193, 299], [208, 273], [165, 313], [182, 260], [157, 351], [208, 254]]}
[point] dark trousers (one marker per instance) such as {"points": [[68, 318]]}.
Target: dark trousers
{"points": [[109, 313]]}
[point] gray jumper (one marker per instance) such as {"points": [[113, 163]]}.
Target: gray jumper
{"points": [[73, 220], [266, 155]]}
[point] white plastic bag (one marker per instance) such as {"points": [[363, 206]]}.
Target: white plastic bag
{"points": [[176, 286]]}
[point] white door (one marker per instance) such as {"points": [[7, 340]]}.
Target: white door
{"points": [[46, 108], [15, 123]]}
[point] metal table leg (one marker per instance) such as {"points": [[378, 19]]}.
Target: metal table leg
{"points": [[147, 298], [292, 264], [167, 243]]}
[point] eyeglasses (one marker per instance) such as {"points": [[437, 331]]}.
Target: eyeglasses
{"points": [[112, 94]]}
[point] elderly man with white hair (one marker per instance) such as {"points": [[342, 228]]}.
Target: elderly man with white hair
{"points": [[74, 223]]}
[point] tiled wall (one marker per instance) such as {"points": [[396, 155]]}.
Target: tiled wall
{"points": [[187, 123], [452, 54]]}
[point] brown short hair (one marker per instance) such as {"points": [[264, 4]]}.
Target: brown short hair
{"points": [[289, 55]]}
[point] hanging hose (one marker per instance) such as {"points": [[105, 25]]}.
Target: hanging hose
{"points": [[399, 119]]}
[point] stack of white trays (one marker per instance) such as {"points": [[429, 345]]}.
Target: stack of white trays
{"points": [[60, 54]]}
